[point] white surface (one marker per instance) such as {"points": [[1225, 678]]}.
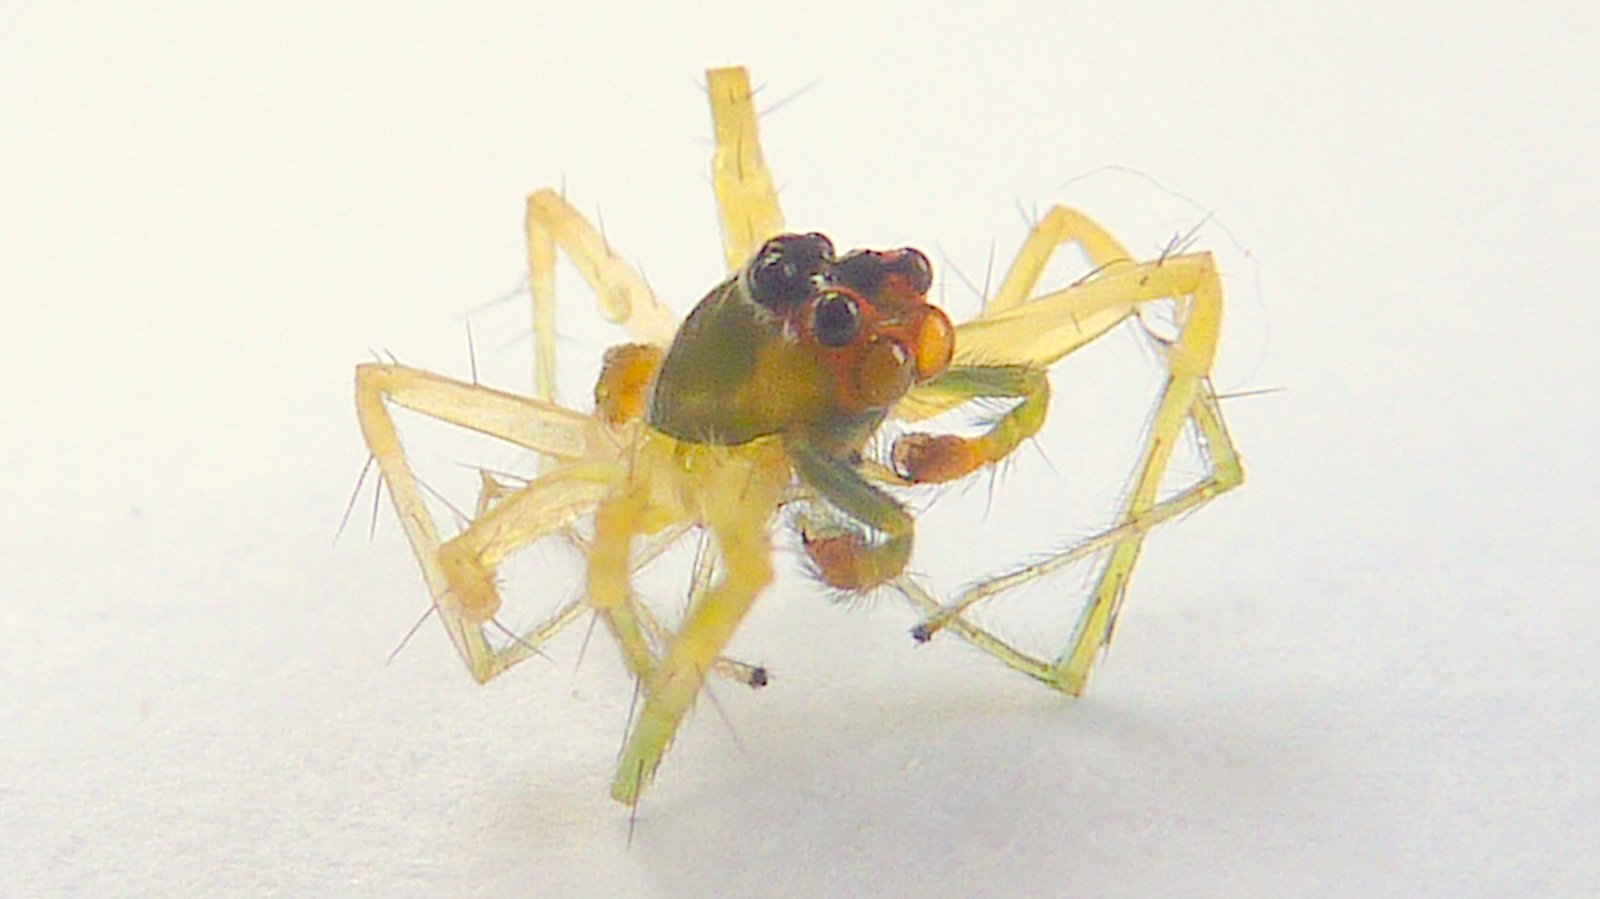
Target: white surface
{"points": [[1370, 672]]}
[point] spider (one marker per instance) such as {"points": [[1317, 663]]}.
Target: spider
{"points": [[767, 394]]}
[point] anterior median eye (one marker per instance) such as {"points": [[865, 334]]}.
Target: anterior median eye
{"points": [[835, 320], [783, 272]]}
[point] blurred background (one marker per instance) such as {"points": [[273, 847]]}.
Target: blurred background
{"points": [[1368, 672]]}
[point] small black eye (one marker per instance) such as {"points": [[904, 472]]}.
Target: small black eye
{"points": [[914, 266], [835, 320], [861, 271], [783, 272]]}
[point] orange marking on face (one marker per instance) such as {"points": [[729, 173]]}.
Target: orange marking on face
{"points": [[873, 329]]}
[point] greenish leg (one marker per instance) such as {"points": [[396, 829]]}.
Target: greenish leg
{"points": [[847, 560], [933, 458]]}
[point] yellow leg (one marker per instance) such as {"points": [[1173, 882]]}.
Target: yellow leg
{"points": [[747, 202], [738, 489], [1059, 227], [617, 521], [700, 581], [1040, 330], [459, 573], [747, 207], [622, 295], [1188, 396], [541, 426], [1017, 328]]}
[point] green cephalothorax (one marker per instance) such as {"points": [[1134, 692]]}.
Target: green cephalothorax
{"points": [[816, 349], [802, 343], [732, 374]]}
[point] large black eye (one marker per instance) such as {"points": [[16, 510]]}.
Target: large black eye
{"points": [[835, 320], [783, 272], [914, 267], [861, 271]]}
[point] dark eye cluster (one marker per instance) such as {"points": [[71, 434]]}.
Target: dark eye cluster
{"points": [[793, 269], [866, 271], [784, 273]]}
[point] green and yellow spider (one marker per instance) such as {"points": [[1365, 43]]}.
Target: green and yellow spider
{"points": [[768, 394]]}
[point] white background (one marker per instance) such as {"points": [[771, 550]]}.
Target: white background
{"points": [[1371, 671]]}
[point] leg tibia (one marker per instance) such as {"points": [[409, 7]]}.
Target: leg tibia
{"points": [[738, 499], [610, 572], [1187, 397]]}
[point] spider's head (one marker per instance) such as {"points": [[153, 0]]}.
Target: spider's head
{"points": [[864, 316], [802, 338]]}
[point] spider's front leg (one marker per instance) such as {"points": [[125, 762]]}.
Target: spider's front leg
{"points": [[732, 491], [1017, 329]]}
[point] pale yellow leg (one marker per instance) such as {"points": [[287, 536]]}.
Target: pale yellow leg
{"points": [[747, 207], [1017, 328], [747, 201], [622, 295], [459, 573], [609, 575], [1188, 396], [701, 580], [1014, 329], [1060, 226], [738, 490]]}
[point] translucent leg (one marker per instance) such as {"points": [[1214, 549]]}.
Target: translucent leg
{"points": [[1016, 328], [622, 295], [609, 578], [459, 574], [1192, 282], [754, 676], [739, 488], [747, 202]]}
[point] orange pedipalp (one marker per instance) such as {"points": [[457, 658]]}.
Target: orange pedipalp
{"points": [[623, 388]]}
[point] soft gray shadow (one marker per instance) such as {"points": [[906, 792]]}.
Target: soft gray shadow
{"points": [[987, 790]]}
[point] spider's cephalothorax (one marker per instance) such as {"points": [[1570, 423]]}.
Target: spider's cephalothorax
{"points": [[799, 342]]}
